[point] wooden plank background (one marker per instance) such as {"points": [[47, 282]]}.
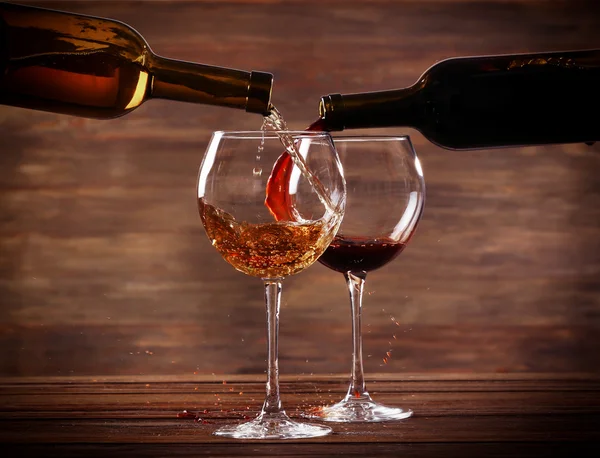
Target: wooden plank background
{"points": [[105, 269]]}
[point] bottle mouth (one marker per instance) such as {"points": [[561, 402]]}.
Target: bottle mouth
{"points": [[260, 87], [331, 110]]}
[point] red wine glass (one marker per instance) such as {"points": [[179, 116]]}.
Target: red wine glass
{"points": [[385, 199], [232, 187]]}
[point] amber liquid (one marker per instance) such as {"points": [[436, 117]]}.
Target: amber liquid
{"points": [[70, 64], [268, 250], [93, 85], [100, 68], [360, 254]]}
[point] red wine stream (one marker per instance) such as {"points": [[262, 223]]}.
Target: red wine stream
{"points": [[278, 200]]}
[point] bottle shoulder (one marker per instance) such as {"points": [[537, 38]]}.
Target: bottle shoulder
{"points": [[470, 65]]}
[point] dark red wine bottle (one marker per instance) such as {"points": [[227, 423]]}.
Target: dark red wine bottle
{"points": [[100, 68], [484, 102]]}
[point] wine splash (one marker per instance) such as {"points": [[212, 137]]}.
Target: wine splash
{"points": [[278, 199]]}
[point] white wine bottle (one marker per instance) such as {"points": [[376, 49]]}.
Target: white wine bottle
{"points": [[100, 68]]}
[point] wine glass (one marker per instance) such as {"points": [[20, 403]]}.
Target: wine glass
{"points": [[270, 220], [385, 198]]}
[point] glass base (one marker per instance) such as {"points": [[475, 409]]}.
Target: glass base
{"points": [[358, 410], [273, 426]]}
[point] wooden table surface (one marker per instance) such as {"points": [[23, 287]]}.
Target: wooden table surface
{"points": [[531, 415]]}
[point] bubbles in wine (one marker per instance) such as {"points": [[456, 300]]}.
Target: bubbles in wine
{"points": [[268, 250]]}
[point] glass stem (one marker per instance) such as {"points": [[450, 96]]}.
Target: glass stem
{"points": [[272, 402], [355, 283]]}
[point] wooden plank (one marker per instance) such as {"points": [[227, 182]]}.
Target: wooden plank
{"points": [[222, 403], [477, 429], [77, 193], [413, 450], [447, 382], [187, 349]]}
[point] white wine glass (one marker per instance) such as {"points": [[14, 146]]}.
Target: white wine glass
{"points": [[269, 234]]}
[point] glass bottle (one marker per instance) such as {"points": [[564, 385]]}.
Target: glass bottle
{"points": [[487, 101], [100, 68]]}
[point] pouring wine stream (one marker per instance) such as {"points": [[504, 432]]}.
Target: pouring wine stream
{"points": [[278, 198]]}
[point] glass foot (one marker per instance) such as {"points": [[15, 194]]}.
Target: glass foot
{"points": [[358, 410], [273, 426]]}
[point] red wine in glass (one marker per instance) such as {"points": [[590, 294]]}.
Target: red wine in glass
{"points": [[385, 198], [387, 186], [360, 254]]}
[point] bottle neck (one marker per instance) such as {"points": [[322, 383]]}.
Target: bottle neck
{"points": [[369, 109], [210, 85]]}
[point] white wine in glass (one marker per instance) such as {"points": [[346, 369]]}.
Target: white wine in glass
{"points": [[241, 225]]}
